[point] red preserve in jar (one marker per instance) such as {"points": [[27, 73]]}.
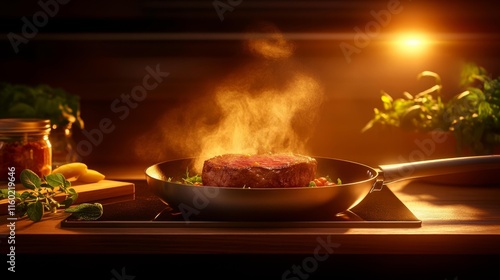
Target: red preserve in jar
{"points": [[24, 144]]}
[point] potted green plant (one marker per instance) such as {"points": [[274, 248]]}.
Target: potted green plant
{"points": [[45, 102], [472, 115], [42, 101], [419, 112]]}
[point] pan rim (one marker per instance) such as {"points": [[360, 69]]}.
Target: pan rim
{"points": [[375, 173]]}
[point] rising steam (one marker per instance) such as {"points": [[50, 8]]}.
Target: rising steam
{"points": [[267, 41], [267, 106]]}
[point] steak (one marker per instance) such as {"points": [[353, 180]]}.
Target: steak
{"points": [[259, 171]]}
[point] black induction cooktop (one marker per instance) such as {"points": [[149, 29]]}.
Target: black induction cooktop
{"points": [[379, 209]]}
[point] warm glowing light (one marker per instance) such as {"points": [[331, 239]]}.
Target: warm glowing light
{"points": [[412, 43]]}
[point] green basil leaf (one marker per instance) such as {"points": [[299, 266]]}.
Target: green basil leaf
{"points": [[30, 179], [66, 184], [21, 209], [73, 193], [24, 195], [71, 198], [67, 202], [35, 211], [86, 211], [55, 180]]}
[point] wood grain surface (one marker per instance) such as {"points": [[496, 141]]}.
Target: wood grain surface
{"points": [[102, 190]]}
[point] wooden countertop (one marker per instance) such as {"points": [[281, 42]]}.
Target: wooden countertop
{"points": [[449, 214], [456, 220]]}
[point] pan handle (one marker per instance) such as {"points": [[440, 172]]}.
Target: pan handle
{"points": [[426, 168]]}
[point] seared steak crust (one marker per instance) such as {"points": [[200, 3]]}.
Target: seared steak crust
{"points": [[259, 171]]}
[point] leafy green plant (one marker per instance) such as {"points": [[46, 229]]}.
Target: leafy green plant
{"points": [[40, 197], [473, 116], [419, 112], [42, 101]]}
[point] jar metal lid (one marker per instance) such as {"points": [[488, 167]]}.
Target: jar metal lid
{"points": [[21, 125]]}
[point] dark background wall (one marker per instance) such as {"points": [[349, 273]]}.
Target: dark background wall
{"points": [[102, 50]]}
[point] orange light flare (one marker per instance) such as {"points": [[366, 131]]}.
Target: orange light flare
{"points": [[412, 43]]}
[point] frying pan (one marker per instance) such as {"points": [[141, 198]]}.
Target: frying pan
{"points": [[307, 203]]}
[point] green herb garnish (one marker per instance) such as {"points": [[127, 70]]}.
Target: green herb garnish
{"points": [[39, 197], [86, 211], [192, 180]]}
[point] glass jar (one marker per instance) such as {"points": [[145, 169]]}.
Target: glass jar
{"points": [[25, 144], [63, 145]]}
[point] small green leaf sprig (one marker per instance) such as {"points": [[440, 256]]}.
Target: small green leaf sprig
{"points": [[420, 112], [40, 195], [86, 211]]}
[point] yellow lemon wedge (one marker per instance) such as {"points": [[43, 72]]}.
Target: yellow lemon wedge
{"points": [[71, 170], [91, 176]]}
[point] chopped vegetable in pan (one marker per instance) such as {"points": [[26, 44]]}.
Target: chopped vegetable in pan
{"points": [[324, 181], [196, 180], [192, 180]]}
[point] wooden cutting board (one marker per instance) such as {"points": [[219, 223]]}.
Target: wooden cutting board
{"points": [[102, 191]]}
